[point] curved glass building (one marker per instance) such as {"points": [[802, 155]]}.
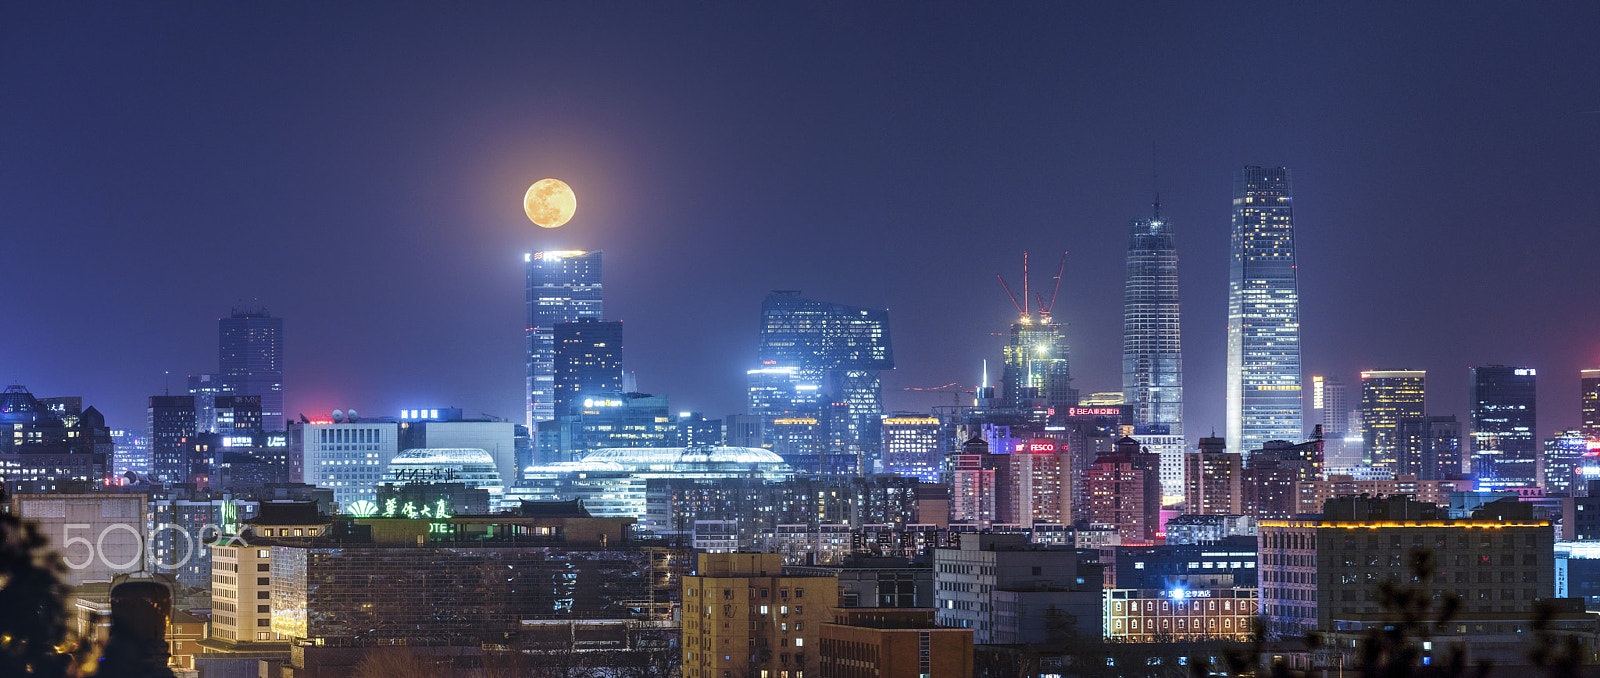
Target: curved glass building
{"points": [[611, 481], [472, 467]]}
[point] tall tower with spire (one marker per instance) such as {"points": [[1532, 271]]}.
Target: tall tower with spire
{"points": [[1152, 349]]}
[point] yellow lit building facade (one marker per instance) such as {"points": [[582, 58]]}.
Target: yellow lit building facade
{"points": [[743, 617]]}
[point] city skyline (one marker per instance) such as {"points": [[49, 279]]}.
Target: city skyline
{"points": [[690, 266]]}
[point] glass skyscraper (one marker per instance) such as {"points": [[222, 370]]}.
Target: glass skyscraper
{"points": [[1037, 364], [1389, 397], [250, 350], [1152, 350], [563, 286], [1503, 421], [1589, 402], [841, 348], [1264, 397]]}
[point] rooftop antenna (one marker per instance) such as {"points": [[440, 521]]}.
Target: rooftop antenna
{"points": [[166, 382], [1155, 182]]}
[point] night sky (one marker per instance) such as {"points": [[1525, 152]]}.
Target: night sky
{"points": [[359, 168]]}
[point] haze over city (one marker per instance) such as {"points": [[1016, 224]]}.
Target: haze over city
{"points": [[359, 172]]}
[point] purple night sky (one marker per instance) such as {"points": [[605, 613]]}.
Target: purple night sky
{"points": [[359, 168]]}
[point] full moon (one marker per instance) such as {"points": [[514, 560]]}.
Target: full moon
{"points": [[549, 203]]}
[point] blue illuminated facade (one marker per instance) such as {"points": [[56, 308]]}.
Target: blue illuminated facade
{"points": [[563, 286], [1152, 349], [1503, 421], [1263, 387], [840, 348]]}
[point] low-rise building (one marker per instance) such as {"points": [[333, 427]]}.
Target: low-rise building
{"points": [[1178, 613], [1010, 591], [1314, 571], [901, 643]]}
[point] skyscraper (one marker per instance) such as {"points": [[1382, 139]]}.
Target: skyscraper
{"points": [[171, 422], [1263, 313], [1589, 402], [588, 361], [1037, 364], [563, 286], [1430, 447], [1152, 353], [250, 350], [1387, 398], [1503, 421], [842, 348], [1331, 410]]}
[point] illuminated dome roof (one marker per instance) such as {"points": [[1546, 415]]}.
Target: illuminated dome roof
{"points": [[467, 465], [646, 456], [441, 455]]}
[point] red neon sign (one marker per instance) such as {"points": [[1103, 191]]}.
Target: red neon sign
{"points": [[1094, 411]]}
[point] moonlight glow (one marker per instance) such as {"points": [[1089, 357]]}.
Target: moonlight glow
{"points": [[550, 203]]}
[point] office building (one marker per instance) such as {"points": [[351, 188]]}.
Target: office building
{"points": [[1311, 495], [613, 482], [602, 421], [504, 441], [1589, 402], [1009, 591], [1504, 417], [241, 575], [349, 458], [1213, 479], [1559, 466], [563, 286], [1227, 564], [1330, 409], [1156, 439], [1387, 397], [693, 429], [470, 467], [1038, 366], [233, 415], [1040, 478], [131, 454], [841, 349], [588, 361], [436, 578], [745, 615], [973, 491], [73, 523], [1316, 571], [1429, 448], [52, 444], [884, 643], [1152, 350], [1271, 473], [186, 521], [1124, 491], [171, 422], [911, 445], [1263, 379], [1209, 528], [205, 388], [250, 352]]}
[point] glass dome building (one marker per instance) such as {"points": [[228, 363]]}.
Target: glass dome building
{"points": [[469, 466], [611, 481]]}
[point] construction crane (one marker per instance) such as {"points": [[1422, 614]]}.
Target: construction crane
{"points": [[953, 389]]}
